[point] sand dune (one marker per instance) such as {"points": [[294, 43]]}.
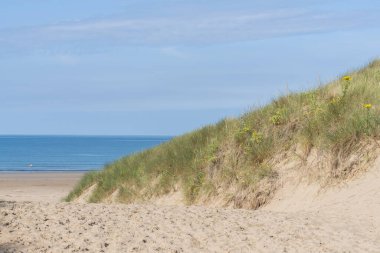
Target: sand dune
{"points": [[359, 198]]}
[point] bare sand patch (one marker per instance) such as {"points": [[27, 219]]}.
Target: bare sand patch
{"points": [[74, 227], [37, 186]]}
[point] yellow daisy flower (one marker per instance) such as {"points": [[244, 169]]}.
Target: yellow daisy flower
{"points": [[347, 78]]}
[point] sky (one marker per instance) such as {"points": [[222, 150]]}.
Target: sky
{"points": [[148, 67]]}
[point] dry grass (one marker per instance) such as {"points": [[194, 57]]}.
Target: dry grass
{"points": [[233, 159]]}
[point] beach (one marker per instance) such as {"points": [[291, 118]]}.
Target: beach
{"points": [[343, 219], [189, 126], [49, 187], [68, 227]]}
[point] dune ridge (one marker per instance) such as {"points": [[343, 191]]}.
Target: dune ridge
{"points": [[326, 136]]}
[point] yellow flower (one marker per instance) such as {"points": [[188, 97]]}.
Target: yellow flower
{"points": [[367, 106], [347, 78]]}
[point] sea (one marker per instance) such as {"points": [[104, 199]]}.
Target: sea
{"points": [[69, 153]]}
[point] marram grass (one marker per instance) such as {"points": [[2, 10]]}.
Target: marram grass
{"points": [[239, 151]]}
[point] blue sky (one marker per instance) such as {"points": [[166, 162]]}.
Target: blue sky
{"points": [[167, 67]]}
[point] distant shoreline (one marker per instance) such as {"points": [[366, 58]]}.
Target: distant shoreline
{"points": [[43, 171], [38, 186]]}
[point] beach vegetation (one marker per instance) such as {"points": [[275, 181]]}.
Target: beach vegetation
{"points": [[236, 155]]}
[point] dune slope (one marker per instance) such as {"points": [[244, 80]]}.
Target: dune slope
{"points": [[326, 135]]}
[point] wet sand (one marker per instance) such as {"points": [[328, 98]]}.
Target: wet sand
{"points": [[37, 186]]}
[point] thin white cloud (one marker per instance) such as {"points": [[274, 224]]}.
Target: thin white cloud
{"points": [[168, 32], [197, 22]]}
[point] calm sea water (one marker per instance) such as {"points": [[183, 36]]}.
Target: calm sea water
{"points": [[68, 153]]}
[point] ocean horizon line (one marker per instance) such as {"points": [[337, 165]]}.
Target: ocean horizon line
{"points": [[31, 153]]}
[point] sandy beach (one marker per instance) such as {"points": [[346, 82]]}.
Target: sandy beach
{"points": [[37, 227], [344, 219], [37, 186]]}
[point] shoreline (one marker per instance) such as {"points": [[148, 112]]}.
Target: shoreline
{"points": [[44, 171], [37, 186]]}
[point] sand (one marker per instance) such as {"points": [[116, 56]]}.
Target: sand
{"points": [[37, 186], [37, 227], [301, 218]]}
